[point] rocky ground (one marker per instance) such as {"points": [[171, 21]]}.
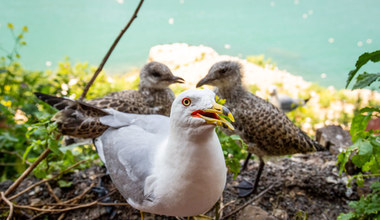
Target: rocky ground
{"points": [[290, 188]]}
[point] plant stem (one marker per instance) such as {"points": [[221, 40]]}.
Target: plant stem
{"points": [[83, 95], [27, 172]]}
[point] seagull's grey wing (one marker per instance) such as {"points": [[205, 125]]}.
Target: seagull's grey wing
{"points": [[129, 150]]}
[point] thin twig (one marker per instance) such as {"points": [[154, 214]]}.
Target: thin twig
{"points": [[69, 208], [249, 201], [56, 210], [45, 180], [27, 172], [134, 16], [79, 196], [10, 205], [52, 192]]}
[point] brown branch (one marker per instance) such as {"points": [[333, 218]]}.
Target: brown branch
{"points": [[56, 210], [52, 192], [134, 16], [10, 205], [27, 172], [249, 202], [69, 208], [79, 196], [45, 180]]}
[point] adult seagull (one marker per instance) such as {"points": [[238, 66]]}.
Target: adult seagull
{"points": [[284, 102], [168, 166]]}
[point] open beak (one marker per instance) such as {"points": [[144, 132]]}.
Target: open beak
{"points": [[216, 115], [176, 79]]}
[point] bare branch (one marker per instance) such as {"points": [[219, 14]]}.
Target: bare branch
{"points": [[10, 205], [100, 68], [27, 172]]}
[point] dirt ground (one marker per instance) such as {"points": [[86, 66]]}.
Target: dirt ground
{"points": [[301, 187]]}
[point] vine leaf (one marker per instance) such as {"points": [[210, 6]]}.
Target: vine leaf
{"points": [[362, 60], [365, 79]]}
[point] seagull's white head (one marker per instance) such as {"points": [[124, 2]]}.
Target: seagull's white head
{"points": [[157, 75], [197, 109], [272, 90]]}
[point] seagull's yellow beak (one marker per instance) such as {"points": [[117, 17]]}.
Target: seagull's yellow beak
{"points": [[216, 115]]}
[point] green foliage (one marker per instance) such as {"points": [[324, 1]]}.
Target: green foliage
{"points": [[234, 150], [368, 207], [25, 130], [364, 79], [365, 151]]}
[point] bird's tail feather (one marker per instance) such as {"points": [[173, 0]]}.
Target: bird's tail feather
{"points": [[59, 103]]}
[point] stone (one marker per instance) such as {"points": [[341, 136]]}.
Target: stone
{"points": [[254, 213], [334, 138]]}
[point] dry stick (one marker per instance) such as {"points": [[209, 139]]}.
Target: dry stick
{"points": [[69, 208], [27, 172], [52, 192], [83, 95], [45, 180], [249, 201], [76, 199], [10, 205], [79, 196]]}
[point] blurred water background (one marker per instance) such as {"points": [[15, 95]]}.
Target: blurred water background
{"points": [[317, 39]]}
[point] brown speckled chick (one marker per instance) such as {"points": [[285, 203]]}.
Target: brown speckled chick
{"points": [[81, 119], [264, 128]]}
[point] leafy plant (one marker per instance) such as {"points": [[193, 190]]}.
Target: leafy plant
{"points": [[25, 129], [365, 151], [233, 149]]}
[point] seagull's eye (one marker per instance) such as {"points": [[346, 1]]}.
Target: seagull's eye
{"points": [[186, 101]]}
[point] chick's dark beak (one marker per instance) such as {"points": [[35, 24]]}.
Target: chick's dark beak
{"points": [[202, 82], [176, 79]]}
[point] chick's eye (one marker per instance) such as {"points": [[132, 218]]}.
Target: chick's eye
{"points": [[186, 101], [156, 74]]}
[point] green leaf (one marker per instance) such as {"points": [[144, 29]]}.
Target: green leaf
{"points": [[360, 179], [358, 126], [26, 152], [365, 79], [64, 183], [376, 186], [362, 60], [347, 216], [364, 153]]}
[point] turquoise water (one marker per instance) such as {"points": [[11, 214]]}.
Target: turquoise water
{"points": [[309, 38]]}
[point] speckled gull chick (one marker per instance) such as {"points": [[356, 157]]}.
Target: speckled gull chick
{"points": [[264, 128], [284, 102], [80, 120], [168, 166]]}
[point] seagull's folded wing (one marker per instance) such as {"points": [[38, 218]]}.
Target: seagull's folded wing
{"points": [[129, 148]]}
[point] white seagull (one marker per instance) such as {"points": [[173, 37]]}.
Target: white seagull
{"points": [[284, 102], [168, 166]]}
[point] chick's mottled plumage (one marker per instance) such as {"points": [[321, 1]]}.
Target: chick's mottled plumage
{"points": [[152, 97], [77, 119], [266, 130]]}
